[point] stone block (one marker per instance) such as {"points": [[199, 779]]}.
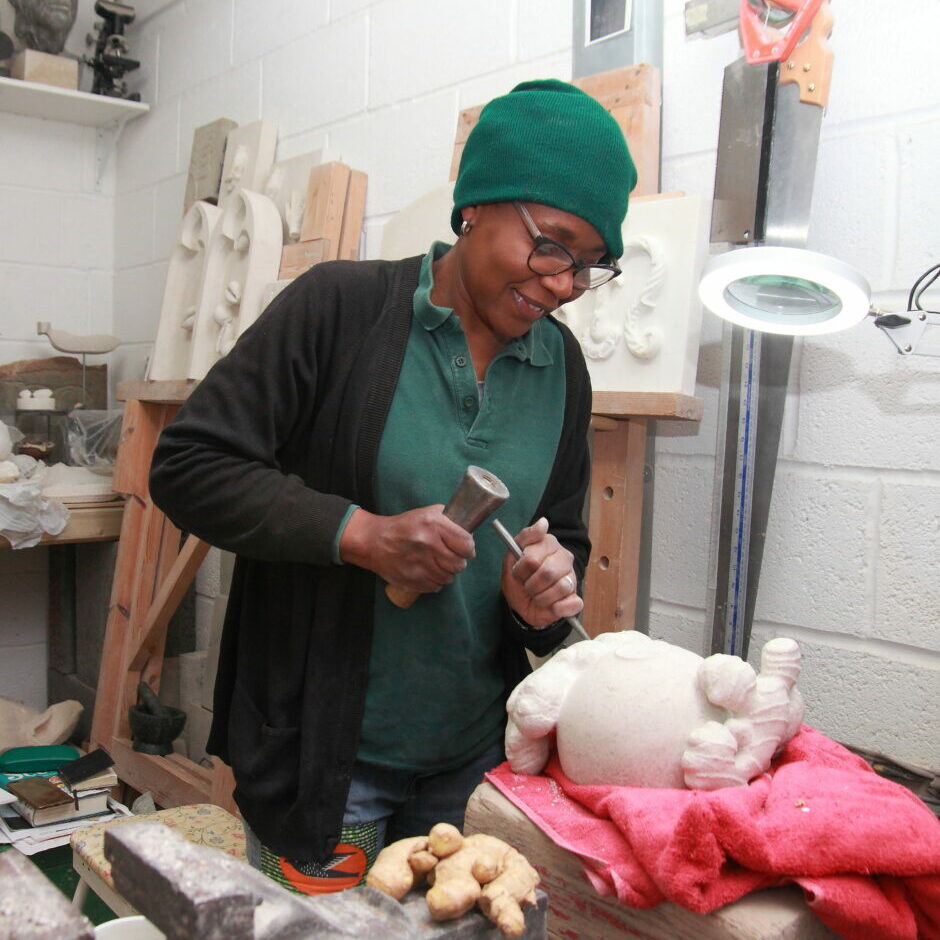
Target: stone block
{"points": [[29, 65], [32, 907]]}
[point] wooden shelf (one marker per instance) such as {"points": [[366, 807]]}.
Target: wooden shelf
{"points": [[647, 405], [63, 104], [100, 522]]}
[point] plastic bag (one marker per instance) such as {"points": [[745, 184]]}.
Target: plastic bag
{"points": [[93, 438]]}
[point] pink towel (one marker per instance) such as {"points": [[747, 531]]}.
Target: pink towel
{"points": [[865, 850]]}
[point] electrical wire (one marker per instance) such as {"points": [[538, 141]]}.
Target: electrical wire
{"points": [[913, 298]]}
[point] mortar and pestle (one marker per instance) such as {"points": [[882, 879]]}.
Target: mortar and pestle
{"points": [[154, 726]]}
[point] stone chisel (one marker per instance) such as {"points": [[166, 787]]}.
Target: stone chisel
{"points": [[513, 546]]}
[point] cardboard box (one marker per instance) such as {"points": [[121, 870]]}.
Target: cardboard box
{"points": [[44, 69]]}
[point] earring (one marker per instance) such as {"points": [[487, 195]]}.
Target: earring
{"points": [[465, 227]]}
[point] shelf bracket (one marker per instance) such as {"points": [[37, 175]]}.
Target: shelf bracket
{"points": [[106, 140]]}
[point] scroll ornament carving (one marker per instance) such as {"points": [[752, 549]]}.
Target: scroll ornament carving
{"points": [[607, 320], [631, 711]]}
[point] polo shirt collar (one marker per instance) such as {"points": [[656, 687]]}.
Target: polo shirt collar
{"points": [[529, 347]]}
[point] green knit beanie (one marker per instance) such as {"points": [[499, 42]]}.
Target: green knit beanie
{"points": [[551, 143]]}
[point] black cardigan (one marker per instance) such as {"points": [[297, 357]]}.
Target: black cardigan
{"points": [[263, 460]]}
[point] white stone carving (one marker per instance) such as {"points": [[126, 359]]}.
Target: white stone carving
{"points": [[640, 332], [242, 257], [631, 711], [249, 156], [173, 348], [287, 184], [415, 227]]}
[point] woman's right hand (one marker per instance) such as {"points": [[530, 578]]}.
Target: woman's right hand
{"points": [[420, 550]]}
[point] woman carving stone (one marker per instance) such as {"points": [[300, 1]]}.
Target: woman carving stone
{"points": [[322, 449]]}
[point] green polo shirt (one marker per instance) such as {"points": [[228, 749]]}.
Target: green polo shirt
{"points": [[435, 698]]}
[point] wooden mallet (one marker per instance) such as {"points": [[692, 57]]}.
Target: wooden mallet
{"points": [[478, 495]]}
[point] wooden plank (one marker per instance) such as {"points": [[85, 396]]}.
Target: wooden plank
{"points": [[140, 428], [108, 693], [166, 391], [353, 214], [647, 404], [88, 523], [616, 503], [168, 598], [326, 200], [173, 780]]}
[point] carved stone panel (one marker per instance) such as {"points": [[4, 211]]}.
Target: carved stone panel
{"points": [[205, 162], [242, 258], [249, 156], [287, 188], [640, 331], [181, 295]]}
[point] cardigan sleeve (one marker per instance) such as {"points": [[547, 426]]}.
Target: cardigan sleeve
{"points": [[217, 470]]}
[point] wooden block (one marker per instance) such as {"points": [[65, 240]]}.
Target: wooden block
{"points": [[575, 909], [299, 257], [44, 69], [326, 200], [352, 216], [614, 518]]}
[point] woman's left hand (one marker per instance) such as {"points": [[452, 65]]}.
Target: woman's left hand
{"points": [[541, 587]]}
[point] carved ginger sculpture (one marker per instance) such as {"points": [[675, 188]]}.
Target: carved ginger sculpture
{"points": [[631, 711]]}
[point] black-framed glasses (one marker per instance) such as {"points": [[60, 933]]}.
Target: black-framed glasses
{"points": [[549, 257]]}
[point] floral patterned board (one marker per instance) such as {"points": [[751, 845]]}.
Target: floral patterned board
{"points": [[201, 824]]}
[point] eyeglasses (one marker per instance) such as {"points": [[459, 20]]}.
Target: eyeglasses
{"points": [[549, 257]]}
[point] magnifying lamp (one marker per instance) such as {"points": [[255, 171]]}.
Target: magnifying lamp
{"points": [[784, 290]]}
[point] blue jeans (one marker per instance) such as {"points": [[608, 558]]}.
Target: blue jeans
{"points": [[400, 803]]}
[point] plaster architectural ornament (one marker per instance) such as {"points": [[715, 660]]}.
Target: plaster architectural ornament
{"points": [[173, 348], [631, 711], [286, 187], [242, 257], [415, 227], [249, 156], [44, 25], [640, 331]]}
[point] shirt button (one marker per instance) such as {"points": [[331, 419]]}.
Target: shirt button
{"points": [[460, 361], [469, 401]]}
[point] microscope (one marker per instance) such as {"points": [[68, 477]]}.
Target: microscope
{"points": [[111, 61]]}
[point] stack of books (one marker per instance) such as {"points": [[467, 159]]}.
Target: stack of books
{"points": [[39, 811]]}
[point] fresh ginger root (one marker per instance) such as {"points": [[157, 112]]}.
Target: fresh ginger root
{"points": [[506, 877], [394, 872], [462, 871]]}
